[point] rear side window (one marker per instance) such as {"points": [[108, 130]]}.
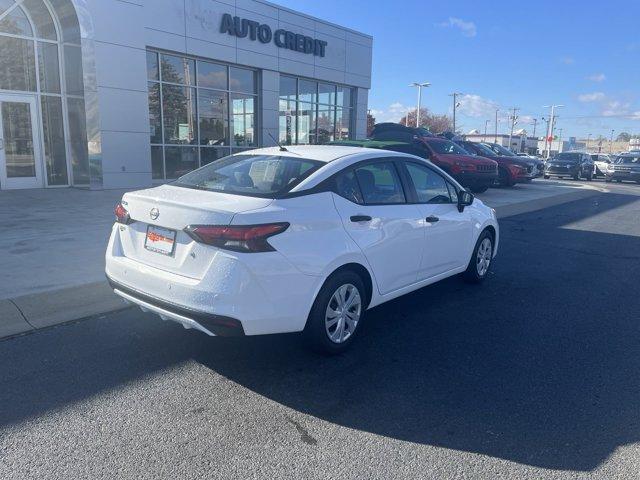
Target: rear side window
{"points": [[347, 187], [380, 184], [430, 186], [267, 176]]}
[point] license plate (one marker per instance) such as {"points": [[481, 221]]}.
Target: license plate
{"points": [[160, 240]]}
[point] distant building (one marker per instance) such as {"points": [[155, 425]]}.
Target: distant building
{"points": [[520, 142], [634, 144]]}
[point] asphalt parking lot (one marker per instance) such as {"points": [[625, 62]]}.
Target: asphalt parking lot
{"points": [[535, 374]]}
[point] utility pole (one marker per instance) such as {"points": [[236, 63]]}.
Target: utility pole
{"points": [[611, 142], [484, 138], [495, 140], [535, 122], [514, 120], [551, 126], [588, 141], [419, 87], [560, 145], [455, 105]]}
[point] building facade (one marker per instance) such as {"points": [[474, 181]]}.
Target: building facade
{"points": [[123, 94], [520, 143]]}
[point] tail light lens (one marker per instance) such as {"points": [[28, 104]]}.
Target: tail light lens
{"points": [[238, 238], [122, 214]]}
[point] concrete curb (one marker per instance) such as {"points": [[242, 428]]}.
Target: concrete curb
{"points": [[26, 314]]}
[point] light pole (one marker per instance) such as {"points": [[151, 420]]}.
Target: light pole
{"points": [[611, 142], [588, 141], [535, 122], [514, 120], [551, 126], [419, 87], [495, 140], [455, 105], [484, 138], [560, 145]]}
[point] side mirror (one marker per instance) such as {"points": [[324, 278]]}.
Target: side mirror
{"points": [[464, 200]]}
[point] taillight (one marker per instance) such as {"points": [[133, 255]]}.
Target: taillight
{"points": [[239, 238], [122, 215]]}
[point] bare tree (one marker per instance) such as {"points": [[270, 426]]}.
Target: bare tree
{"points": [[434, 122], [371, 121]]}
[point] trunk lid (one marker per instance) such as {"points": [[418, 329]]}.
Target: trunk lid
{"points": [[172, 209]]}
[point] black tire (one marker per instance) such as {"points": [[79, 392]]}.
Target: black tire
{"points": [[590, 177], [471, 274], [607, 180], [576, 176], [315, 332], [619, 181], [547, 177], [479, 188]]}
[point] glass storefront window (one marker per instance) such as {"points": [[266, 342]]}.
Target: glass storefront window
{"points": [[41, 18], [178, 70], [198, 111], [179, 114], [73, 63], [214, 124], [212, 75], [78, 140], [314, 113], [16, 23], [54, 146], [49, 67], [17, 61]]}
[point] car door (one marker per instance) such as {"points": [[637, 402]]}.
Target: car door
{"points": [[372, 204], [448, 232]]}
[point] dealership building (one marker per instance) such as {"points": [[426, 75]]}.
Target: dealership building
{"points": [[122, 94]]}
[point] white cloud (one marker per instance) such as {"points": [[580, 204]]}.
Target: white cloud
{"points": [[567, 60], [597, 77], [614, 108], [468, 29], [591, 97], [393, 113], [475, 106]]}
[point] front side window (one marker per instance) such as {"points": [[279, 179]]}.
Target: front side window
{"points": [[347, 187], [380, 184], [267, 176], [445, 147], [430, 186]]}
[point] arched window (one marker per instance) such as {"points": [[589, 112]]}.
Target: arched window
{"points": [[40, 54]]}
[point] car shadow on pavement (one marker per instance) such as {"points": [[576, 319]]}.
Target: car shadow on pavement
{"points": [[540, 365]]}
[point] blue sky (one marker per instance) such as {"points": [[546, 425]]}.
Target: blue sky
{"points": [[585, 55]]}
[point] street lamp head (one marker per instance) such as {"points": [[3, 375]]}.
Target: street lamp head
{"points": [[416, 84]]}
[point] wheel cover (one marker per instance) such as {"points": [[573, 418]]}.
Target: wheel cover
{"points": [[343, 313], [483, 257]]}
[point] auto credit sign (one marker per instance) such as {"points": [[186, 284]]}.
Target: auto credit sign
{"points": [[261, 32]]}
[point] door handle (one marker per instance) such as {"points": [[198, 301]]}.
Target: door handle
{"points": [[432, 219], [360, 218]]}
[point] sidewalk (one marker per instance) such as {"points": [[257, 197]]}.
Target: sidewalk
{"points": [[53, 244]]}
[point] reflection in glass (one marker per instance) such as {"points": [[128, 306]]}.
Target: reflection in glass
{"points": [[17, 64], [306, 114], [326, 93], [18, 139], [344, 97], [152, 66], [179, 114], [288, 87], [16, 23], [326, 124], [343, 123], [41, 18], [242, 127], [157, 163], [73, 69], [54, 147], [212, 107], [78, 141], [208, 154], [155, 118], [180, 160], [307, 91], [242, 80], [49, 67], [178, 70], [212, 75]]}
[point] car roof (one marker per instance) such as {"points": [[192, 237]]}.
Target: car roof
{"points": [[321, 153]]}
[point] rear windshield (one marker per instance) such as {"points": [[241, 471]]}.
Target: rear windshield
{"points": [[500, 150], [446, 147], [629, 160], [268, 176], [480, 149], [568, 157]]}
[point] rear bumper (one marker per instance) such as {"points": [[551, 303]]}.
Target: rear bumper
{"points": [[209, 323]]}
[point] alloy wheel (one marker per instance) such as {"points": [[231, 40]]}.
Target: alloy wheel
{"points": [[483, 257], [343, 313]]}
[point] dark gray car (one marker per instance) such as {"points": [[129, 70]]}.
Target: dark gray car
{"points": [[575, 165]]}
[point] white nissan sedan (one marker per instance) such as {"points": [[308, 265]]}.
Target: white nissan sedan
{"points": [[302, 238]]}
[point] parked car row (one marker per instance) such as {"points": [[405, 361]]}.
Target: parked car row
{"points": [[476, 166]]}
